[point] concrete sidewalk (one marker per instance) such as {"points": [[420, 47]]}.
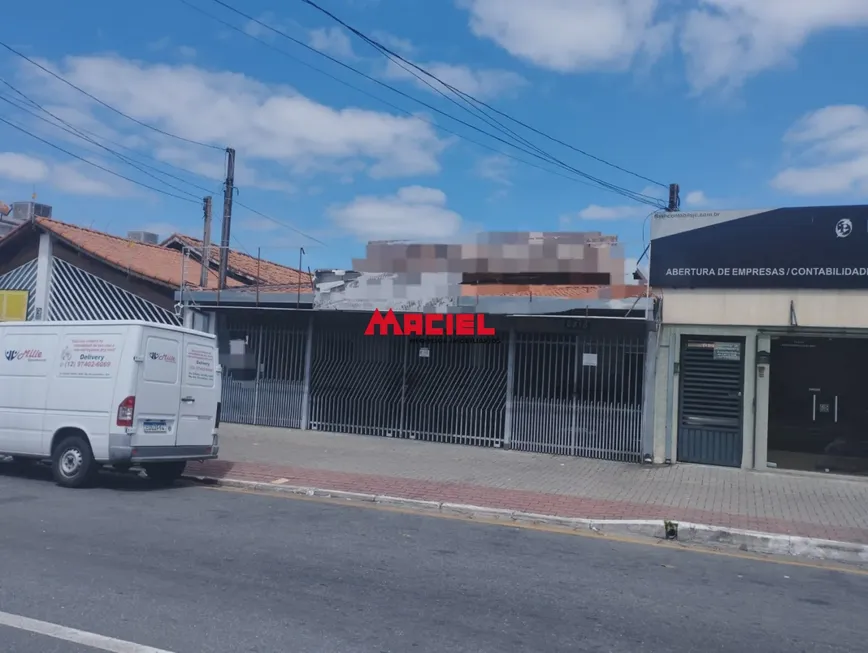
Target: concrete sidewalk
{"points": [[728, 500]]}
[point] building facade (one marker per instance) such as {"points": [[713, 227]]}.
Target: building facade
{"points": [[764, 338]]}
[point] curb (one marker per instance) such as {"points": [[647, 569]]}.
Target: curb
{"points": [[685, 532]]}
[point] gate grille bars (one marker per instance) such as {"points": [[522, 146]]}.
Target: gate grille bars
{"points": [[554, 393]]}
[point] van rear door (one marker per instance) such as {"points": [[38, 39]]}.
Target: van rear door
{"points": [[158, 389], [200, 392]]}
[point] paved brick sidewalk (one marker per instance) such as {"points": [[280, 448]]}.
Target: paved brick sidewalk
{"points": [[810, 506]]}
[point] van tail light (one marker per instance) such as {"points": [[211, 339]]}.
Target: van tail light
{"points": [[125, 411], [217, 417]]}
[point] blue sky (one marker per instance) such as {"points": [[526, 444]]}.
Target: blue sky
{"points": [[745, 104]]}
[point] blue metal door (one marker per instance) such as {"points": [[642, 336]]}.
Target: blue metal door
{"points": [[711, 401]]}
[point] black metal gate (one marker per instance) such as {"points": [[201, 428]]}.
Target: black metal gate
{"points": [[455, 391], [357, 382], [711, 401]]}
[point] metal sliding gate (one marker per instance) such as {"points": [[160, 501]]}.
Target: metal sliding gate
{"points": [[579, 396], [401, 387], [269, 389], [355, 381], [567, 394]]}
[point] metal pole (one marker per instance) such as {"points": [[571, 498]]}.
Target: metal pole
{"points": [[510, 390], [308, 358], [258, 268], [298, 285], [228, 190], [670, 398], [256, 382], [206, 243]]}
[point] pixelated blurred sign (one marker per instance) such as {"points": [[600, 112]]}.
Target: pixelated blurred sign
{"points": [[13, 305]]}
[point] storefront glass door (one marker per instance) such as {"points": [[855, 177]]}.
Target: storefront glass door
{"points": [[818, 413]]}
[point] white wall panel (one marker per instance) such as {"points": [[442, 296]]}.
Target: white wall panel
{"points": [[813, 308]]}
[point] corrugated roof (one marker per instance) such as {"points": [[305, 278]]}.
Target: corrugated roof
{"points": [[267, 272]]}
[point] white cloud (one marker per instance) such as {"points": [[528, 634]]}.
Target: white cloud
{"points": [[414, 212], [495, 168], [257, 30], [74, 177], [482, 84], [165, 45], [395, 43], [257, 223], [727, 41], [77, 178], [624, 212], [22, 168], [696, 198], [833, 141], [187, 51], [723, 42], [572, 35], [333, 41], [265, 124]]}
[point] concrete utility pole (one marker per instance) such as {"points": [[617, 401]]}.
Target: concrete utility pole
{"points": [[206, 242], [228, 190]]}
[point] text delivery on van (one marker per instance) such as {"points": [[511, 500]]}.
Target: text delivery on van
{"points": [[119, 393]]}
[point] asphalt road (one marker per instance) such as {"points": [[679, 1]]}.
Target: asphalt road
{"points": [[196, 570]]}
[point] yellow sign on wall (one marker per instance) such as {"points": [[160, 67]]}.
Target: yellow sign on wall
{"points": [[13, 305]]}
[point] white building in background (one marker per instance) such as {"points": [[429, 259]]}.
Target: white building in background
{"points": [[764, 338]]}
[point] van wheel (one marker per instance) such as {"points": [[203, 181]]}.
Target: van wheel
{"points": [[72, 463], [165, 473]]}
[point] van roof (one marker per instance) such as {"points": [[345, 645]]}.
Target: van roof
{"points": [[102, 323]]}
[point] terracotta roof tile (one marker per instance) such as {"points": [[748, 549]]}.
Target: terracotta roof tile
{"points": [[267, 272], [278, 288], [568, 292], [142, 259]]}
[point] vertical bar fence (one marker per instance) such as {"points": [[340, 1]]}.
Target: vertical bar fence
{"points": [[566, 394]]}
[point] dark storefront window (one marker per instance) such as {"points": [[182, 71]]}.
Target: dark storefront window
{"points": [[818, 413]]}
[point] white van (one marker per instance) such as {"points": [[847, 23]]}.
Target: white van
{"points": [[119, 393]]}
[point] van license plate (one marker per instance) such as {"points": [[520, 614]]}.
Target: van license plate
{"points": [[155, 427]]}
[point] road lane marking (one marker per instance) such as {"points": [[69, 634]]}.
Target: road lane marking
{"points": [[559, 530], [99, 642]]}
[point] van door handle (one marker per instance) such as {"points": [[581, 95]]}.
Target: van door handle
{"points": [[189, 400]]}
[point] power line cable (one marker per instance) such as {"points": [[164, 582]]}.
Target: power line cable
{"points": [[606, 185], [123, 158], [91, 138], [105, 104], [599, 183], [473, 109], [75, 131], [385, 50], [476, 112], [95, 165], [379, 99], [278, 222]]}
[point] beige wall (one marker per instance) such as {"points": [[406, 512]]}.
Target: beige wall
{"points": [[767, 308], [665, 423]]}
